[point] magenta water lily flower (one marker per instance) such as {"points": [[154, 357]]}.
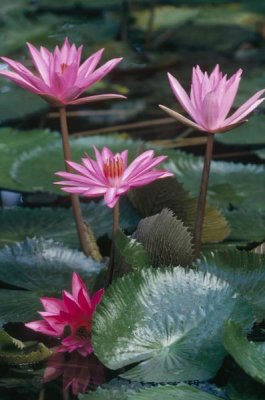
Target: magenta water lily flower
{"points": [[60, 77], [211, 98], [109, 175], [74, 311]]}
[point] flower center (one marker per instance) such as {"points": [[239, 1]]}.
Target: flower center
{"points": [[83, 333], [113, 168], [63, 67]]}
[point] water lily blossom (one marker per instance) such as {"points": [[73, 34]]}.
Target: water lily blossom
{"points": [[75, 312], [211, 98], [60, 77], [109, 175]]}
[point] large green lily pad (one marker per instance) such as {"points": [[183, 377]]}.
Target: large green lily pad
{"points": [[167, 321]]}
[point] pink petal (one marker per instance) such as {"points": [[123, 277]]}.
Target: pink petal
{"points": [[230, 95], [101, 72], [42, 327], [210, 111], [99, 97], [20, 81], [181, 118], [51, 304], [96, 298], [40, 63], [181, 96], [245, 109], [89, 65]]}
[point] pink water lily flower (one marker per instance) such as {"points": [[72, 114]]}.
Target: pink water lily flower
{"points": [[211, 98], [60, 77], [109, 175], [74, 311]]}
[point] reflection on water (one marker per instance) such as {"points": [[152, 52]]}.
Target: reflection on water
{"points": [[78, 372]]}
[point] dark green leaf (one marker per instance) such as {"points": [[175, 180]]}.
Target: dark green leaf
{"points": [[246, 224], [130, 254], [19, 223], [166, 239], [249, 355], [20, 305], [169, 193]]}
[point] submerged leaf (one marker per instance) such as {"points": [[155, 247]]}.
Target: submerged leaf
{"points": [[249, 355], [168, 321], [169, 193], [166, 239]]}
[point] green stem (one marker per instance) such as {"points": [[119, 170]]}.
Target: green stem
{"points": [[74, 198], [202, 196], [115, 228]]}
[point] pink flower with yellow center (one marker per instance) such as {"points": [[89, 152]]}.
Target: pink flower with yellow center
{"points": [[109, 175], [60, 77], [210, 100], [74, 311]]}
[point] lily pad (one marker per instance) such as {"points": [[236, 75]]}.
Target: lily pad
{"points": [[168, 321], [247, 134], [249, 355], [21, 305], [245, 271], [230, 184], [38, 264], [14, 142], [57, 223], [246, 224], [165, 17], [168, 392], [14, 352], [169, 193], [166, 239]]}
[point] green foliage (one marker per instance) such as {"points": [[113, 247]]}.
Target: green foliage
{"points": [[249, 355], [245, 271], [166, 239], [246, 224], [14, 352], [40, 264], [230, 184], [168, 321], [169, 193], [58, 224], [130, 255], [21, 305], [246, 134], [168, 392]]}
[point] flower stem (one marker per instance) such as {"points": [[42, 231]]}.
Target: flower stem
{"points": [[74, 198], [202, 196], [115, 228]]}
